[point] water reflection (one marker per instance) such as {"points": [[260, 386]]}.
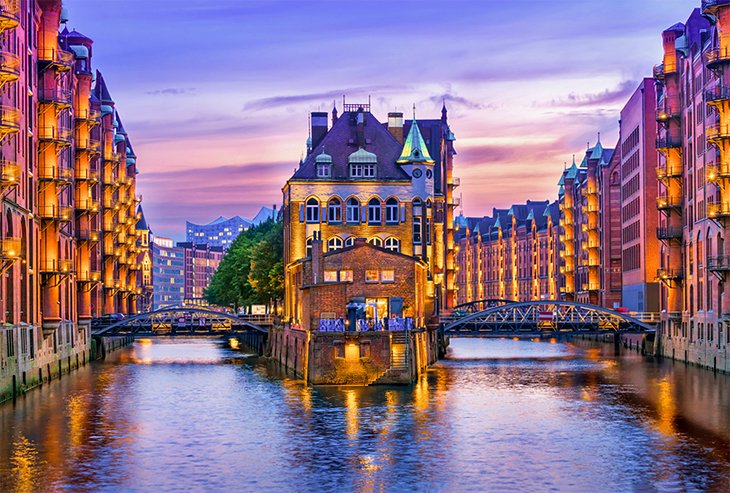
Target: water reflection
{"points": [[167, 415]]}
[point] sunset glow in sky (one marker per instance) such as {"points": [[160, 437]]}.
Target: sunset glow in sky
{"points": [[215, 93]]}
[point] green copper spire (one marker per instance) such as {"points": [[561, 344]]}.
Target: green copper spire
{"points": [[414, 149]]}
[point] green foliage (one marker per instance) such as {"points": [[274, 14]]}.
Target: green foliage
{"points": [[252, 271]]}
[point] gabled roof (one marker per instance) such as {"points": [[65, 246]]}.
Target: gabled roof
{"points": [[341, 142], [142, 222], [414, 148], [101, 91]]}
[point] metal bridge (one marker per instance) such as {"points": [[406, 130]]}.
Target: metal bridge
{"points": [[179, 321], [543, 318]]}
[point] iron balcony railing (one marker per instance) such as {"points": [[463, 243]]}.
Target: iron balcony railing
{"points": [[86, 174], [10, 248], [592, 286], [717, 171], [61, 213], [88, 276], [9, 67], [669, 233], [87, 205], [9, 120], [9, 174], [112, 284], [87, 234], [720, 92], [717, 132], [717, 209], [659, 71], [113, 157], [664, 202], [61, 59], [54, 173], [719, 263], [667, 108], [56, 266], [664, 171], [9, 14], [55, 95], [88, 144], [110, 179], [668, 143], [55, 134], [669, 274], [88, 114], [717, 56]]}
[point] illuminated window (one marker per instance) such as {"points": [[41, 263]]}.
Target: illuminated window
{"points": [[374, 211], [376, 241], [334, 243], [312, 210], [353, 210], [345, 276], [309, 246], [391, 211], [330, 276], [371, 276], [334, 211], [387, 276], [417, 230], [392, 244], [350, 241]]}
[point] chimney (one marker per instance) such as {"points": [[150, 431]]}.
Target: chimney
{"points": [[395, 126], [319, 127], [317, 260]]}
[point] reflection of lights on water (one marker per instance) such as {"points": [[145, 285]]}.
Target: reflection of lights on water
{"points": [[553, 340], [351, 414], [25, 463], [76, 408], [367, 463], [233, 342], [666, 408], [144, 342]]}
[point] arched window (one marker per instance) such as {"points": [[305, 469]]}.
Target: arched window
{"points": [[350, 241], [376, 241], [309, 247], [334, 243], [392, 244], [353, 210], [417, 238], [391, 211], [312, 210], [374, 211], [334, 211]]}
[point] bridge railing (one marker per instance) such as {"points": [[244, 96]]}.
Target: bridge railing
{"points": [[258, 319]]}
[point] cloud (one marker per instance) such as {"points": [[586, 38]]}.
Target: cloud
{"points": [[610, 96], [172, 91], [452, 100], [298, 99]]}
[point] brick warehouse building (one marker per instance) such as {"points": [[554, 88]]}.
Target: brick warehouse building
{"points": [[512, 254], [68, 173]]}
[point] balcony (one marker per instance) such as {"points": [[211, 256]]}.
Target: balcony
{"points": [[88, 144], [88, 115], [87, 234], [9, 68], [109, 226], [455, 182], [589, 191], [138, 199], [55, 135], [9, 121], [112, 284], [89, 206], [717, 57], [111, 204], [665, 202], [56, 58], [589, 209], [711, 6], [86, 174], [10, 248], [717, 94], [717, 210], [665, 143], [110, 179], [9, 14], [88, 276], [60, 213], [719, 263], [668, 108], [717, 171], [659, 71], [9, 174], [56, 266], [56, 96], [716, 133], [112, 157], [669, 233], [55, 174], [591, 286], [664, 172], [669, 277]]}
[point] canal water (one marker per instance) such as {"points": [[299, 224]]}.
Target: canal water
{"points": [[190, 415]]}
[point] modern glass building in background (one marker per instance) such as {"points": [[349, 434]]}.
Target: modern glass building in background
{"points": [[168, 273], [222, 231]]}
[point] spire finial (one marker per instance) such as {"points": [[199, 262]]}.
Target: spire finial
{"points": [[599, 138], [414, 111], [573, 158]]}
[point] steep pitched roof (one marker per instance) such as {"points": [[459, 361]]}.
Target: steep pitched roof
{"points": [[340, 142], [414, 148], [142, 222]]}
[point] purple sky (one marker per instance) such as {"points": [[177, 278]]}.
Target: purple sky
{"points": [[215, 93]]}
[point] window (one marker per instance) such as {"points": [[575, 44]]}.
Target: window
{"points": [[392, 244], [345, 276], [371, 276], [362, 170], [387, 276], [330, 276], [350, 241], [374, 212], [376, 241], [312, 210], [391, 211], [334, 211], [324, 170], [353, 210], [428, 230], [334, 243], [417, 230], [309, 247]]}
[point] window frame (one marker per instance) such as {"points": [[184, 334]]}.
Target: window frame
{"points": [[353, 208], [312, 210], [375, 211]]}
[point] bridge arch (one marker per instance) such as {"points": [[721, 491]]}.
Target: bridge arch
{"points": [[170, 316], [534, 318]]}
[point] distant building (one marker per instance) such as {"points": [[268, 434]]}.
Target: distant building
{"points": [[168, 273], [222, 231], [201, 262], [264, 214], [144, 261]]}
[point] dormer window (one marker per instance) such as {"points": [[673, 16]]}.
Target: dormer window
{"points": [[362, 164], [324, 170], [362, 170]]}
